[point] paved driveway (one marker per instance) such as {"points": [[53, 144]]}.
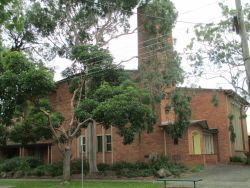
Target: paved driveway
{"points": [[223, 176]]}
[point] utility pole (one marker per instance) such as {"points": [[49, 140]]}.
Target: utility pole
{"points": [[244, 40]]}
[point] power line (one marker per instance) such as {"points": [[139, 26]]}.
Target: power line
{"points": [[141, 48], [198, 8], [146, 15], [112, 66]]}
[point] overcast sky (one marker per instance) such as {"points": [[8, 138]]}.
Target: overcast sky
{"points": [[126, 47]]}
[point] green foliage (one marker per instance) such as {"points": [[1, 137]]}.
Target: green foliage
{"points": [[243, 116], [32, 167], [55, 169], [140, 169], [159, 8], [161, 66], [3, 135], [196, 168], [20, 80], [17, 163], [231, 128], [90, 55], [34, 126], [236, 159], [23, 85], [3, 13], [124, 109], [76, 167], [181, 105], [90, 184], [214, 100], [248, 158], [27, 23], [42, 18], [217, 47], [102, 167]]}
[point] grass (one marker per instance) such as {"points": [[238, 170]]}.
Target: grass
{"points": [[77, 184]]}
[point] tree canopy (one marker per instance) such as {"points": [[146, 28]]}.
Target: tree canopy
{"points": [[22, 84], [215, 51]]}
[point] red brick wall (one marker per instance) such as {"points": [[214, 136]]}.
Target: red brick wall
{"points": [[182, 152], [202, 108]]}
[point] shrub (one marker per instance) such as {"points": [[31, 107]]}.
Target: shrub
{"points": [[41, 170], [76, 167], [14, 164], [55, 169], [160, 162], [236, 159], [19, 164], [33, 162], [196, 168], [248, 158], [102, 167], [122, 165]]}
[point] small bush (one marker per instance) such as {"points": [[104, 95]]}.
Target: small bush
{"points": [[140, 169], [14, 164], [196, 168], [248, 158], [55, 169], [19, 164], [122, 165], [40, 170], [76, 167], [160, 162], [33, 162], [236, 159], [102, 167]]}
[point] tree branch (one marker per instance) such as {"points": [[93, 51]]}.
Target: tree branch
{"points": [[124, 61], [117, 36], [72, 110], [79, 126], [53, 130]]}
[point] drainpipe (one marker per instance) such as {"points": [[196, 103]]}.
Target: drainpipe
{"points": [[103, 145], [112, 146], [165, 143]]}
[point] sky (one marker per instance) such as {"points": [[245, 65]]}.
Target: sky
{"points": [[194, 11], [126, 47]]}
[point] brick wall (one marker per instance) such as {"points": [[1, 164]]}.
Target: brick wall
{"points": [[202, 108]]}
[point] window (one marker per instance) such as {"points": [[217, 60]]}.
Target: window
{"points": [[81, 144], [196, 142], [209, 144], [107, 143], [99, 143]]}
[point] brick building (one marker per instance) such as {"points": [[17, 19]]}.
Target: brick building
{"points": [[206, 141]]}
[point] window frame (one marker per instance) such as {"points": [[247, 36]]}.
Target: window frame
{"points": [[107, 144]]}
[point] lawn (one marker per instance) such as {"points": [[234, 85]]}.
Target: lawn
{"points": [[77, 184]]}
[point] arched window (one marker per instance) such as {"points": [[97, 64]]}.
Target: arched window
{"points": [[196, 141]]}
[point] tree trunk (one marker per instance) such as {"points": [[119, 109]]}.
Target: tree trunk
{"points": [[66, 164], [92, 143]]}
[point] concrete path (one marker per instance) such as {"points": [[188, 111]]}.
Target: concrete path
{"points": [[222, 176]]}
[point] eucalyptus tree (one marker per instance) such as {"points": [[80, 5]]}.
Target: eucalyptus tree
{"points": [[215, 51], [101, 95], [80, 30]]}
